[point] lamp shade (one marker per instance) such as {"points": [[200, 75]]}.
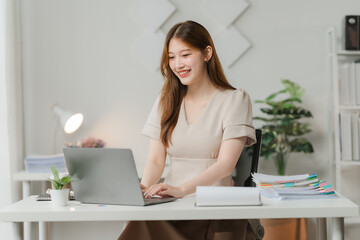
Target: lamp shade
{"points": [[69, 121]]}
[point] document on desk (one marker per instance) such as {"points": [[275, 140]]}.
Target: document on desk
{"points": [[207, 196], [293, 187]]}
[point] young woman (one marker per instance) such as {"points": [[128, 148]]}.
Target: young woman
{"points": [[202, 123]]}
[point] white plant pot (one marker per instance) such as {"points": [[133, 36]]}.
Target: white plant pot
{"points": [[59, 198]]}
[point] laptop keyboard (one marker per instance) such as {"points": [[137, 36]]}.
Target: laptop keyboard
{"points": [[148, 201], [47, 197], [152, 201]]}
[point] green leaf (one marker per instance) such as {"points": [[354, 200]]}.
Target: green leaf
{"points": [[297, 99], [55, 184], [65, 180], [297, 128], [301, 145], [287, 105], [272, 96], [294, 89], [296, 112], [265, 119], [290, 100], [267, 154], [55, 173], [285, 121]]}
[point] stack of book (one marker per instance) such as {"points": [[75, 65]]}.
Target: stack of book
{"points": [[303, 186], [350, 136], [349, 93], [42, 164], [349, 83]]}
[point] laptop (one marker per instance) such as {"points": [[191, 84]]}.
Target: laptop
{"points": [[106, 176]]}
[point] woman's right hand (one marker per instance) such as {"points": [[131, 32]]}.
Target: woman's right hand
{"points": [[164, 190], [143, 188]]}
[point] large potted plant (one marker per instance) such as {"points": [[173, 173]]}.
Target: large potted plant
{"points": [[283, 133], [59, 194], [283, 129]]}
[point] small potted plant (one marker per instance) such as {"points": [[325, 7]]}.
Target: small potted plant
{"points": [[59, 194]]}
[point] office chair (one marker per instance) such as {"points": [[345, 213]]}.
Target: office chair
{"points": [[248, 163]]}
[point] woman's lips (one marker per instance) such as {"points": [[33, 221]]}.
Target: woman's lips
{"points": [[184, 73]]}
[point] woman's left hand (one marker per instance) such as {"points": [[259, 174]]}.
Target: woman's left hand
{"points": [[164, 190]]}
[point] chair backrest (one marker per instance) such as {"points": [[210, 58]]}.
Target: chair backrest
{"points": [[248, 163]]}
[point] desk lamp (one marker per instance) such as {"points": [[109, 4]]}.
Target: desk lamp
{"points": [[69, 121]]}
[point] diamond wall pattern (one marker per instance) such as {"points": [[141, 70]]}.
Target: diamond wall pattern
{"points": [[229, 42], [153, 14], [226, 11], [230, 45], [149, 48]]}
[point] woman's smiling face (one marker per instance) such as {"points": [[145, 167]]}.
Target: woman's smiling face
{"points": [[187, 63]]}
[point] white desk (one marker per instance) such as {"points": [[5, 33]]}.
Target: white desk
{"points": [[184, 209], [26, 179]]}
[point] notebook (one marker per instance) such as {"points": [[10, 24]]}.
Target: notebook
{"points": [[106, 176], [208, 196]]}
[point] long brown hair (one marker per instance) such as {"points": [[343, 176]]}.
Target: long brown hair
{"points": [[194, 35]]}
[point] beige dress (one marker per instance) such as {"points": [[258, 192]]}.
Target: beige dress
{"points": [[196, 147]]}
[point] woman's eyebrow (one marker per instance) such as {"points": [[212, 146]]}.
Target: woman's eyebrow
{"points": [[188, 49]]}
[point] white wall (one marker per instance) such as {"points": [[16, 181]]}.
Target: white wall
{"points": [[5, 177], [77, 53], [11, 118], [6, 229]]}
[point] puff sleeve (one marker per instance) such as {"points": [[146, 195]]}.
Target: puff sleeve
{"points": [[152, 125], [237, 117]]}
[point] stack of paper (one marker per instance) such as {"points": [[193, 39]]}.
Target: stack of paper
{"points": [[293, 187], [227, 196], [42, 164]]}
